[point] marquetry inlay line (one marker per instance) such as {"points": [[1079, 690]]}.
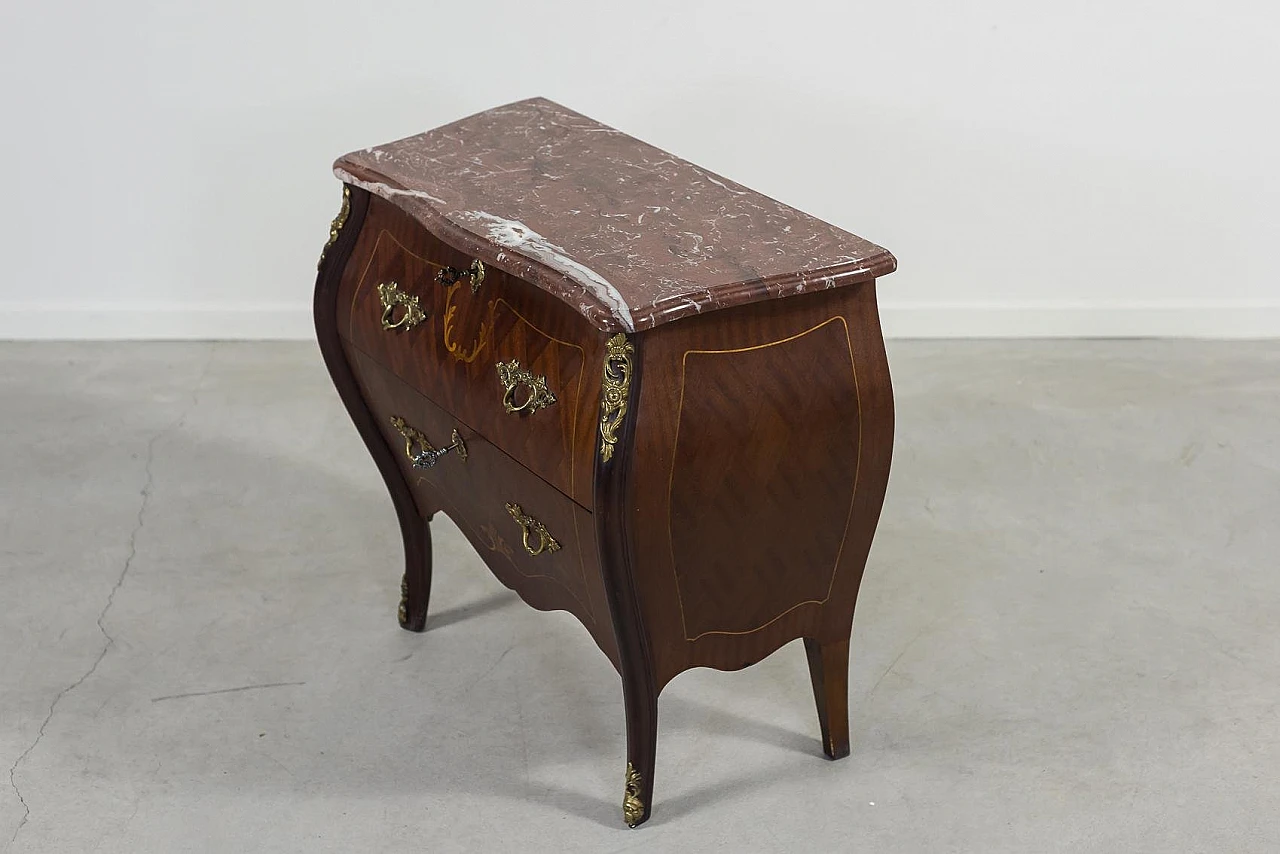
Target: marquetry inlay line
{"points": [[351, 315], [853, 364], [573, 435]]}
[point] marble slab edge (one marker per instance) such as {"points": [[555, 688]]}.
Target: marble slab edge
{"points": [[581, 296]]}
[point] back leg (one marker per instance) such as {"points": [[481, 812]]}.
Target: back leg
{"points": [[829, 672]]}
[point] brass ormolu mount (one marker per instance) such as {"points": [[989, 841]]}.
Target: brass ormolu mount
{"points": [[403, 613], [614, 389], [335, 227], [632, 806]]}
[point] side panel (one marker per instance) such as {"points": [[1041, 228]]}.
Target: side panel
{"points": [[764, 437]]}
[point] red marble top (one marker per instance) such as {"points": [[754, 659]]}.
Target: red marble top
{"points": [[629, 235]]}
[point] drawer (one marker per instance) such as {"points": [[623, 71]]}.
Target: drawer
{"points": [[534, 539], [511, 362]]}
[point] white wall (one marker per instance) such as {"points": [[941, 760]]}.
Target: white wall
{"points": [[1106, 167]]}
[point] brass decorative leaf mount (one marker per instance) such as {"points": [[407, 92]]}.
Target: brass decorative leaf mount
{"points": [[403, 613], [632, 806], [392, 297], [335, 227], [614, 390], [530, 526], [426, 455], [511, 376]]}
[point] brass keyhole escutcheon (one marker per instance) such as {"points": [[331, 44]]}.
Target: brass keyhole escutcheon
{"points": [[536, 394], [392, 298], [531, 528]]}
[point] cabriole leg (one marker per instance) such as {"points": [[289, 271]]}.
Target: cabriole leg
{"points": [[415, 584], [415, 587]]}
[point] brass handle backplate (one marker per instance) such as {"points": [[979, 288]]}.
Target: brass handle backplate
{"points": [[530, 527], [392, 298], [512, 376], [450, 275], [426, 455]]}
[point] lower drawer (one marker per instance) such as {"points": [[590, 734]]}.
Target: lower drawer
{"points": [[535, 539]]}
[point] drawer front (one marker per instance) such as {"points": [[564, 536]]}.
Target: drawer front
{"points": [[535, 540], [510, 361]]}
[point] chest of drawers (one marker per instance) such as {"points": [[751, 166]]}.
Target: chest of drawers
{"points": [[646, 394]]}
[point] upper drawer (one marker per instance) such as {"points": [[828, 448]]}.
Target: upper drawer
{"points": [[514, 364]]}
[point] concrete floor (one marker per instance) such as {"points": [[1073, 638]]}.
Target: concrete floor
{"points": [[1068, 637]]}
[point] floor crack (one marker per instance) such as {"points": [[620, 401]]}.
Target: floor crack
{"points": [[145, 494], [895, 661]]}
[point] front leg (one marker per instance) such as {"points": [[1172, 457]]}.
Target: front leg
{"points": [[642, 747], [415, 584], [415, 587], [619, 393]]}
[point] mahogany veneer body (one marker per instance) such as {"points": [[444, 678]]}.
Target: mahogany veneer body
{"points": [[737, 507]]}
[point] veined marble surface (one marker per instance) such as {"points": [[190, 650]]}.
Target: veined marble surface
{"points": [[626, 233]]}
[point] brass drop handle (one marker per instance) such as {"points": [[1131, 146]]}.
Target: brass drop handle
{"points": [[450, 275], [512, 376], [531, 526], [392, 298], [426, 455]]}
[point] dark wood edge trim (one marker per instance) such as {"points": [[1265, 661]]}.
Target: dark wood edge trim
{"points": [[885, 397], [413, 525], [614, 531]]}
